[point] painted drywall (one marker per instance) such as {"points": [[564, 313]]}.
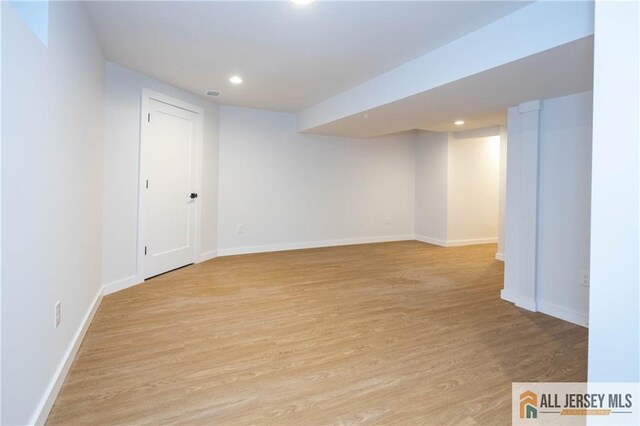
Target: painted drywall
{"points": [[456, 190], [503, 41], [121, 162], [472, 189], [290, 190], [52, 143], [431, 186], [1, 8], [511, 287], [548, 198], [564, 199], [502, 192], [614, 311]]}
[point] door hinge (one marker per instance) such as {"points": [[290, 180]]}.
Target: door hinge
{"points": [[149, 117], [145, 250]]}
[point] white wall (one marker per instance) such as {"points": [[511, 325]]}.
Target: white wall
{"points": [[502, 193], [564, 201], [52, 199], [431, 186], [472, 199], [1, 8], [456, 197], [292, 190], [614, 328], [511, 289], [121, 161], [548, 199]]}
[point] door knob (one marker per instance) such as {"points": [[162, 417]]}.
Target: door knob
{"points": [[193, 195]]}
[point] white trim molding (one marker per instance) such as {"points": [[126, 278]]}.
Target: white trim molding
{"points": [[520, 273], [49, 397], [311, 244], [563, 313], [471, 242], [203, 257], [530, 106], [521, 302], [500, 257], [527, 303], [455, 243], [508, 296], [134, 280], [429, 240], [121, 284]]}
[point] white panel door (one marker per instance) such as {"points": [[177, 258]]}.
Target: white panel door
{"points": [[170, 188]]}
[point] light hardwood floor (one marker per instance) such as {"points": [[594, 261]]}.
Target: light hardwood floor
{"points": [[392, 333]]}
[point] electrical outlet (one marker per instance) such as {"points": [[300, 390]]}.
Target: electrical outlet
{"points": [[57, 315], [584, 279], [240, 228]]}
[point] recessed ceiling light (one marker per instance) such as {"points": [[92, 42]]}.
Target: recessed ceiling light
{"points": [[303, 2], [458, 122], [235, 79]]}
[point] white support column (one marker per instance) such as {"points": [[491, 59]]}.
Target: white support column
{"points": [[502, 192], [522, 205], [614, 299], [530, 127]]}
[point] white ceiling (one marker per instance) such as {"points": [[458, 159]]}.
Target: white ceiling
{"points": [[290, 56], [480, 100]]}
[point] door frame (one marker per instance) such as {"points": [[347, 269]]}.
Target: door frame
{"points": [[146, 96]]}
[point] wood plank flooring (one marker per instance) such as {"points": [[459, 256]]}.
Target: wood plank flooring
{"points": [[392, 333]]}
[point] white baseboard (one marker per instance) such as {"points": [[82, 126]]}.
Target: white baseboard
{"points": [[310, 244], [471, 242], [527, 303], [121, 284], [429, 240], [500, 257], [135, 279], [43, 409], [546, 308], [207, 256], [564, 313], [455, 243], [519, 301], [509, 296]]}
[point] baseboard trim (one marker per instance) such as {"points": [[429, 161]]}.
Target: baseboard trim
{"points": [[548, 308], [500, 257], [454, 243], [207, 256], [564, 313], [311, 244], [134, 280], [509, 296], [519, 301], [471, 242], [527, 303], [429, 240], [121, 284], [50, 395]]}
